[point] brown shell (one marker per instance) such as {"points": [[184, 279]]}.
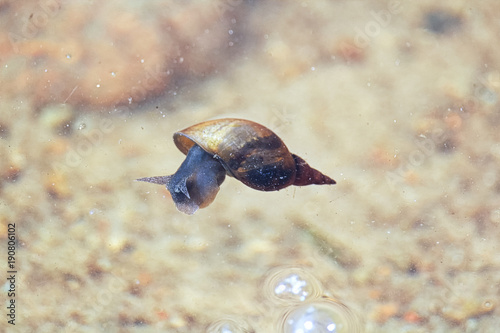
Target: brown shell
{"points": [[249, 152]]}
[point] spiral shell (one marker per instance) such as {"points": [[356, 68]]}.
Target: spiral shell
{"points": [[249, 152]]}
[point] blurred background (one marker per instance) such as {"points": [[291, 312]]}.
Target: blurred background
{"points": [[395, 100]]}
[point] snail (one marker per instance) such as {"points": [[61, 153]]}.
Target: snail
{"points": [[238, 148]]}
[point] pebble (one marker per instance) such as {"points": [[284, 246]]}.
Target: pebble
{"points": [[468, 308]]}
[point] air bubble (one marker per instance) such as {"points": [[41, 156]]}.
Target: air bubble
{"points": [[290, 285], [488, 305], [229, 325], [320, 316]]}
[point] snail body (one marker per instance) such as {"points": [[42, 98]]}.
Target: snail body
{"points": [[239, 148]]}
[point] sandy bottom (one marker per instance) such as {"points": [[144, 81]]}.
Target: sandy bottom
{"points": [[398, 102]]}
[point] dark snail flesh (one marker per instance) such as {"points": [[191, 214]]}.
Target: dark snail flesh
{"points": [[239, 148]]}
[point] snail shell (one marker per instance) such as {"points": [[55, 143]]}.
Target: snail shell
{"points": [[240, 148]]}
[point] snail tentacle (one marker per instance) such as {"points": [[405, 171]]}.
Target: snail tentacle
{"points": [[160, 180]]}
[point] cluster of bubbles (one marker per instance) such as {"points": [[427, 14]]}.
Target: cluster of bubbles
{"points": [[299, 298], [305, 309]]}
